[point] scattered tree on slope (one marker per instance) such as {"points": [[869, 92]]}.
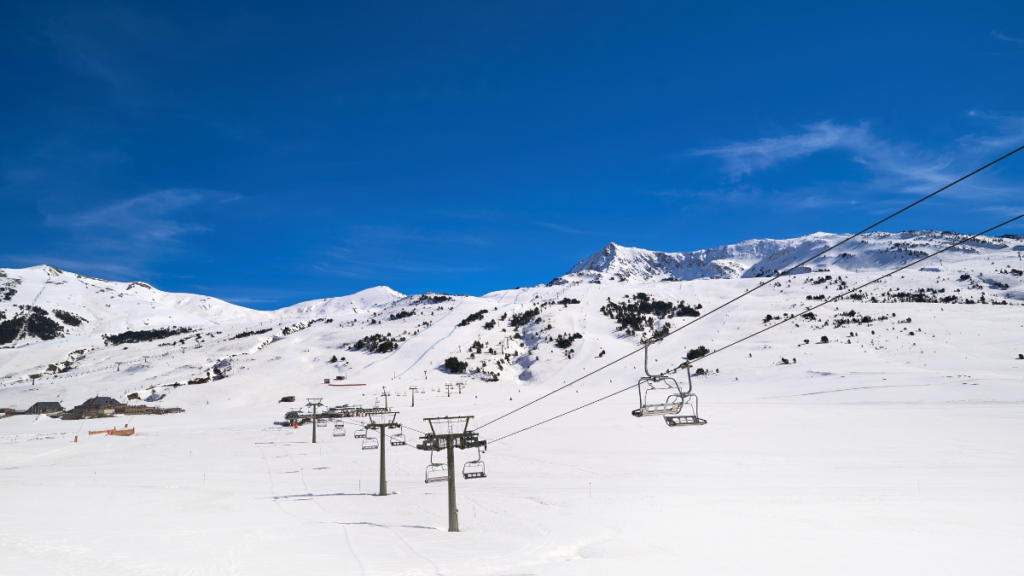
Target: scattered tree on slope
{"points": [[134, 336], [454, 366], [376, 343], [473, 318]]}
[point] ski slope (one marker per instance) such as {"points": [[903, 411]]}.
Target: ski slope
{"points": [[879, 451]]}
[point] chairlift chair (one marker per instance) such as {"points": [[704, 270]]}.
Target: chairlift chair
{"points": [[436, 472], [398, 439], [687, 413], [474, 468], [690, 419], [676, 399], [339, 429], [360, 433], [370, 444], [321, 423]]}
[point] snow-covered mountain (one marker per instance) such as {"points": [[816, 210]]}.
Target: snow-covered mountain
{"points": [[758, 258], [110, 306], [889, 420], [361, 301], [50, 318]]}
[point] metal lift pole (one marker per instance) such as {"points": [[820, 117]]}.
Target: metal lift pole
{"points": [[448, 433], [313, 402], [381, 422], [383, 473], [453, 510]]}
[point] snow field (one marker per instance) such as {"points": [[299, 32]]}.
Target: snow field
{"points": [[891, 454]]}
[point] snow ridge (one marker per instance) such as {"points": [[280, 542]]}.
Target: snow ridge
{"points": [[766, 257]]}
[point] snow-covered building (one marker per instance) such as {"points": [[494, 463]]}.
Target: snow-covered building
{"points": [[45, 408]]}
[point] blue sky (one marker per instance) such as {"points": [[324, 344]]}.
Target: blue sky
{"points": [[269, 153]]}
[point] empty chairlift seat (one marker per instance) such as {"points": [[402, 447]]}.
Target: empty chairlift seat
{"points": [[673, 404], [688, 415], [436, 472], [474, 468], [679, 408], [339, 429], [370, 444]]}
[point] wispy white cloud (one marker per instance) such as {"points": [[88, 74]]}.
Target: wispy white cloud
{"points": [[120, 240], [747, 157], [563, 228], [900, 167], [884, 159], [147, 217], [1009, 131], [1005, 38]]}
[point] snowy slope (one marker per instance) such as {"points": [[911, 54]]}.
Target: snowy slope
{"points": [[357, 303], [757, 258], [116, 306], [902, 435]]}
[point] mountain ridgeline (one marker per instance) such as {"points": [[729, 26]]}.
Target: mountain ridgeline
{"points": [[766, 258]]}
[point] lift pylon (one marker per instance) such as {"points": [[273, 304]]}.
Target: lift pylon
{"points": [[313, 403], [446, 434], [382, 421]]}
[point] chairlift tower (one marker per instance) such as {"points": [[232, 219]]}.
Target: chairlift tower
{"points": [[448, 387], [381, 421], [413, 389], [460, 385], [448, 433], [313, 403]]}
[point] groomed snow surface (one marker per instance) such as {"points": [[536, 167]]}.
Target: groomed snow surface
{"points": [[876, 453]]}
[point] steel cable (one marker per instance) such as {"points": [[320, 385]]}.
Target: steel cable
{"points": [[758, 287], [828, 301]]}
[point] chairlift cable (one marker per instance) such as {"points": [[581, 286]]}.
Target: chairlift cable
{"points": [[358, 423], [852, 290], [759, 286], [828, 301]]}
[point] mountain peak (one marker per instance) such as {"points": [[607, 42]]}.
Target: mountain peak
{"points": [[757, 258]]}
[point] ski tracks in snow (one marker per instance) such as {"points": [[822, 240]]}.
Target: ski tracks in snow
{"points": [[277, 500], [306, 491], [409, 341]]}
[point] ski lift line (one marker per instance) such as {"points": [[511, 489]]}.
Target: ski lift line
{"points": [[833, 299], [560, 388], [601, 399], [413, 365], [785, 273], [857, 288], [875, 225], [450, 312], [357, 423]]}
